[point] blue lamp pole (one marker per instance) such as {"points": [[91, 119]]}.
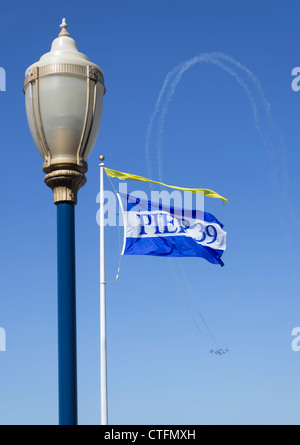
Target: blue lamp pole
{"points": [[66, 305], [65, 185], [64, 103]]}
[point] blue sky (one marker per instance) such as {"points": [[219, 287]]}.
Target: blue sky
{"points": [[228, 122]]}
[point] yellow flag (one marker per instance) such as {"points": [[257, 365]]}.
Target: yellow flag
{"points": [[127, 176]]}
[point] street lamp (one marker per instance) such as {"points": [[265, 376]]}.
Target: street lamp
{"points": [[64, 102]]}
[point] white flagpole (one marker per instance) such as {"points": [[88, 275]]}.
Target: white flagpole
{"points": [[103, 367]]}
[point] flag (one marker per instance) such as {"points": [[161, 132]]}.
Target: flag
{"points": [[128, 176], [153, 229]]}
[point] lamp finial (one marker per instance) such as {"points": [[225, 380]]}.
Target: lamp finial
{"points": [[63, 27]]}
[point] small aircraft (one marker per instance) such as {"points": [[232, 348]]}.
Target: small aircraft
{"points": [[219, 351]]}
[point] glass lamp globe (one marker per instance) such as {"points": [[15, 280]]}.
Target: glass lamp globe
{"points": [[64, 103]]}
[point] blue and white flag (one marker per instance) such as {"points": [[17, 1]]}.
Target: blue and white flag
{"points": [[154, 229]]}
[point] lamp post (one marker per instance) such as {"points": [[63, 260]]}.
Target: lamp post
{"points": [[64, 102]]}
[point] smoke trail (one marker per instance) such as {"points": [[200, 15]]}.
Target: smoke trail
{"points": [[179, 285], [266, 108], [195, 301], [277, 159], [150, 124], [169, 86], [180, 70], [236, 70]]}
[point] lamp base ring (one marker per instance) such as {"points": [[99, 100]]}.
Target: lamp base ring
{"points": [[65, 184]]}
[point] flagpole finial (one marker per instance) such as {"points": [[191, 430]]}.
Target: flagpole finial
{"points": [[101, 158]]}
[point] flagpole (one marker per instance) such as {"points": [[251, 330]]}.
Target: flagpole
{"points": [[103, 367]]}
